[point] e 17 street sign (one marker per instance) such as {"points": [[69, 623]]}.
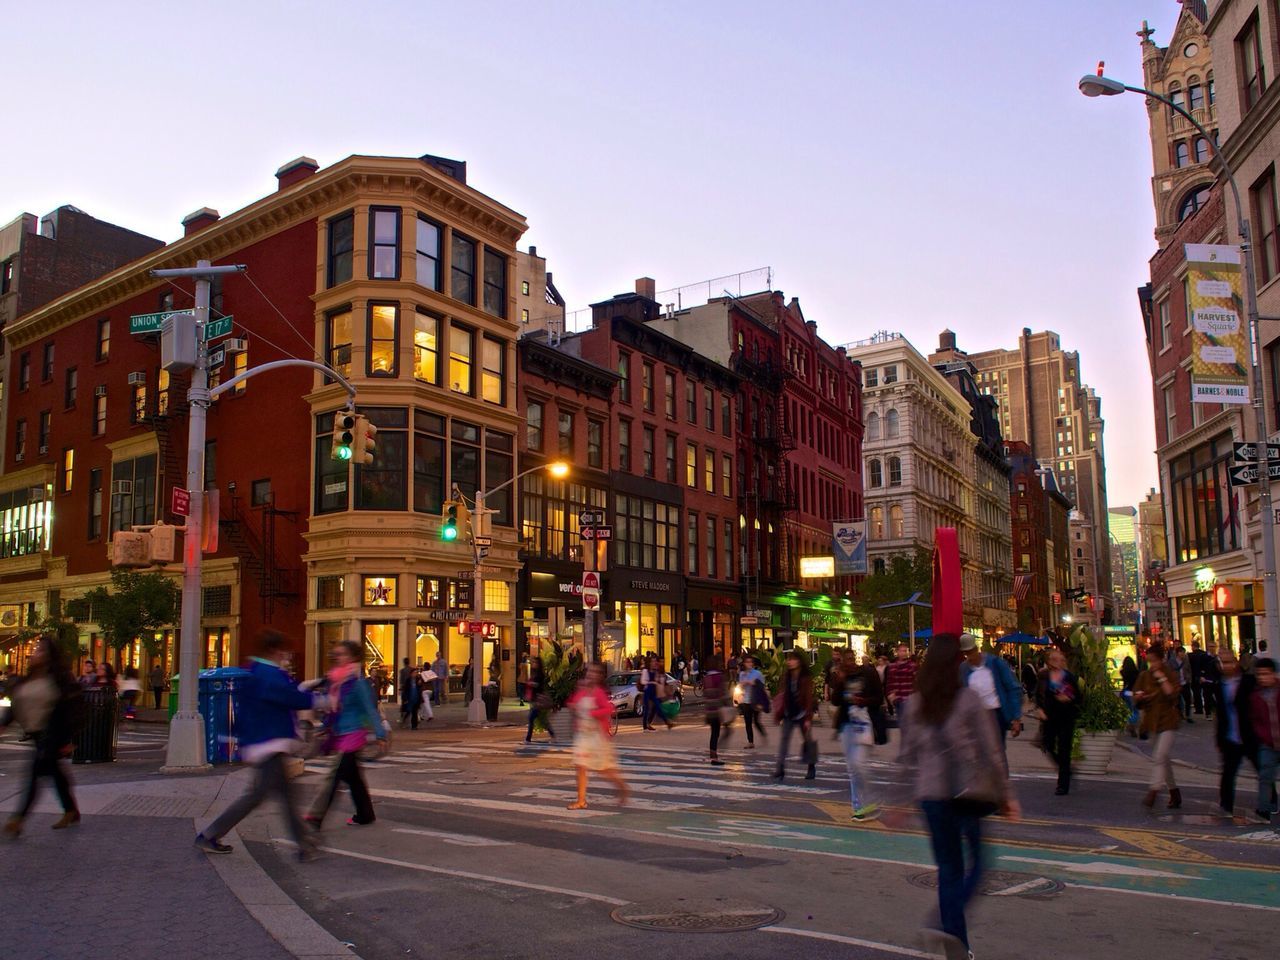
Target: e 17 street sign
{"points": [[1247, 473], [152, 322], [1248, 452], [217, 328]]}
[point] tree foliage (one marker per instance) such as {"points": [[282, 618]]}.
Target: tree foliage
{"points": [[135, 607], [904, 574], [65, 634], [1101, 708]]}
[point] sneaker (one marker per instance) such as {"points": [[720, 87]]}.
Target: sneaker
{"points": [[717, 763], [870, 811], [308, 853], [1263, 815], [209, 845], [749, 746]]}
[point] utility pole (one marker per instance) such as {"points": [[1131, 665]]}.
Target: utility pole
{"points": [[479, 528], [186, 751]]}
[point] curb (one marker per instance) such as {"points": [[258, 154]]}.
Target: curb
{"points": [[1186, 764]]}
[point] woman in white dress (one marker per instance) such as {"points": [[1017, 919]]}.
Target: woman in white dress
{"points": [[592, 745]]}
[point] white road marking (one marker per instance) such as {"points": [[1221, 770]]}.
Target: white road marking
{"points": [[483, 803], [725, 790], [467, 875], [1101, 868], [634, 803], [852, 941], [458, 839], [1017, 888], [1164, 895]]}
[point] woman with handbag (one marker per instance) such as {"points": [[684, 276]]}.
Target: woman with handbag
{"points": [[954, 747], [592, 745], [720, 712], [852, 697], [793, 708]]}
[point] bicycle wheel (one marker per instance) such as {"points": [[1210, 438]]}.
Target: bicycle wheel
{"points": [[613, 722]]}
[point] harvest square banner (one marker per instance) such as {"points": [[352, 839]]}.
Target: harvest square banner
{"points": [[1219, 343]]}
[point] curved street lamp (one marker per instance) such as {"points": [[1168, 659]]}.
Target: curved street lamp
{"points": [[1097, 85]]}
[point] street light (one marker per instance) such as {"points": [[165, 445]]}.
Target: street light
{"points": [[1100, 86], [558, 469]]}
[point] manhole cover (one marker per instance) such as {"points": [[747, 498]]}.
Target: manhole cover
{"points": [[466, 781], [719, 915], [143, 806], [1000, 883]]}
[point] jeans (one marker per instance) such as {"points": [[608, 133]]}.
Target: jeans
{"points": [[1268, 758], [900, 708], [948, 832], [717, 727], [788, 725], [652, 707], [533, 715], [438, 684], [1232, 755], [268, 777], [1185, 694], [1162, 763], [1210, 693], [346, 770], [46, 763], [853, 754], [1133, 708], [1059, 737], [751, 717]]}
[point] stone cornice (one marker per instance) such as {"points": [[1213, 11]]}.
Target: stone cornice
{"points": [[371, 179]]}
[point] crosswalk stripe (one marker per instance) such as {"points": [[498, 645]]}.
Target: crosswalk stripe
{"points": [[484, 803], [637, 803]]}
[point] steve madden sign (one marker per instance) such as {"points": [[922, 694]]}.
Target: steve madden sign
{"points": [[659, 585]]}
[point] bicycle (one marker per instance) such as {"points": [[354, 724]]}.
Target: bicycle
{"points": [[613, 722]]}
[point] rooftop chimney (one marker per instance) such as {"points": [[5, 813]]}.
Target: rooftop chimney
{"points": [[646, 287], [198, 220], [294, 171]]}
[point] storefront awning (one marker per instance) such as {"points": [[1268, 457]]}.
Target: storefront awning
{"points": [[8, 640]]}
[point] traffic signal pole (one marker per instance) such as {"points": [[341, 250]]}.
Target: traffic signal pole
{"points": [[479, 527]]}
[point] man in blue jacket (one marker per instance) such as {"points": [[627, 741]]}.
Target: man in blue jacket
{"points": [[993, 681], [268, 735]]}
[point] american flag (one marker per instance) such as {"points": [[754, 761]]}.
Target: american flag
{"points": [[1021, 584]]}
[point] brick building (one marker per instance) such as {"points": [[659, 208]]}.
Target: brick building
{"points": [[1041, 548]]}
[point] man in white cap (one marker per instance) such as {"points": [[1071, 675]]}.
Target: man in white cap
{"points": [[990, 677]]}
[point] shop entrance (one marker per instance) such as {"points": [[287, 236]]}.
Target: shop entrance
{"points": [[380, 647]]}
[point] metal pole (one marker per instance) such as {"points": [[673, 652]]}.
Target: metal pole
{"points": [[475, 710], [589, 555], [911, 627]]}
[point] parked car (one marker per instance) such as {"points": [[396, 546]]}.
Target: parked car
{"points": [[626, 695]]}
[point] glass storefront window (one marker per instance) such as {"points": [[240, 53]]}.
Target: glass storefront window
{"points": [[427, 642], [217, 648], [380, 646], [379, 591]]}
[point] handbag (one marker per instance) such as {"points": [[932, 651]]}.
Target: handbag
{"points": [[860, 720], [978, 786], [810, 751], [728, 715]]}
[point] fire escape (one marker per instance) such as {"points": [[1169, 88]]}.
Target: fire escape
{"points": [[256, 545], [167, 416]]}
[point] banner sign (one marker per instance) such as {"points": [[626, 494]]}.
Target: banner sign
{"points": [[849, 546], [1219, 340]]}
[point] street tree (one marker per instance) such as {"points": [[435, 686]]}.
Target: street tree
{"points": [[904, 574], [135, 607]]}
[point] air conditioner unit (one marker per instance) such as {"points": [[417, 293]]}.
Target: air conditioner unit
{"points": [[44, 450], [100, 390], [238, 345], [137, 378], [122, 488]]}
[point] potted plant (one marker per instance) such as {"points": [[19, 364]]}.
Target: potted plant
{"points": [[1103, 713]]}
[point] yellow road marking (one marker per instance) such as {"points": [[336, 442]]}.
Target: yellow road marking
{"points": [[840, 813], [1158, 846]]}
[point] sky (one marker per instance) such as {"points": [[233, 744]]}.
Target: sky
{"points": [[911, 165]]}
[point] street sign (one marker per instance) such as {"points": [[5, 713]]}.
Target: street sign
{"points": [[217, 357], [217, 328], [482, 541], [485, 571], [180, 502], [152, 322], [589, 518], [759, 614], [590, 598], [1057, 599], [1247, 473], [596, 533], [1248, 452], [747, 620], [590, 580]]}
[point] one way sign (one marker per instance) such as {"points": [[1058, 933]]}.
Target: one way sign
{"points": [[1244, 475], [1248, 452]]}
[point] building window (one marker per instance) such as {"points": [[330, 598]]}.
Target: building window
{"points": [[381, 485], [891, 374], [1193, 201], [464, 457], [46, 426], [669, 394], [428, 461], [427, 254], [873, 426], [260, 493], [329, 593], [891, 425], [726, 475], [709, 470], [495, 283], [24, 371], [691, 553], [103, 349], [342, 231], [332, 476], [524, 287], [68, 469], [46, 367], [1170, 413], [100, 413], [877, 523], [25, 525], [564, 433], [671, 458], [646, 387], [378, 591], [1249, 57], [426, 347], [462, 345], [462, 272], [690, 401], [646, 534], [646, 450], [726, 567], [69, 388], [895, 471], [6, 276], [499, 462], [533, 425], [384, 243], [138, 408], [871, 377], [624, 371], [709, 545], [875, 473], [1267, 238], [338, 342], [896, 525], [133, 493], [1202, 150], [1166, 325], [595, 444], [709, 408], [493, 376], [95, 503], [726, 417], [624, 445], [1181, 155], [239, 365], [383, 333], [691, 465]]}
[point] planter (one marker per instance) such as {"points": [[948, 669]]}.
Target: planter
{"points": [[1095, 752]]}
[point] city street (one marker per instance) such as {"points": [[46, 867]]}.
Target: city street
{"points": [[474, 852]]}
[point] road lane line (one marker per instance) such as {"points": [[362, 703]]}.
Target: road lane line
{"points": [[852, 941], [484, 803], [468, 875], [458, 839], [1162, 895]]}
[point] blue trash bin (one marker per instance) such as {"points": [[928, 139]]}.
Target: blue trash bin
{"points": [[218, 704]]}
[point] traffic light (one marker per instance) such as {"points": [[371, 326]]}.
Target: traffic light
{"points": [[344, 435], [1229, 597], [449, 521], [363, 446]]}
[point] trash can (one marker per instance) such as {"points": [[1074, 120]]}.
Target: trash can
{"points": [[218, 695], [489, 694], [95, 741], [173, 696]]}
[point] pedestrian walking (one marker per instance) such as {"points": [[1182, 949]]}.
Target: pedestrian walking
{"points": [[1158, 695], [539, 699], [1210, 674], [440, 684], [592, 745], [899, 684], [106, 679], [156, 680], [952, 746], [650, 702], [1030, 679], [130, 690], [267, 731], [351, 716], [855, 691], [662, 691], [1264, 711], [753, 699], [1196, 670], [468, 681], [47, 704], [1176, 664], [719, 707], [793, 709], [1233, 730], [1058, 700], [695, 668], [88, 675], [1129, 677], [992, 679], [426, 685]]}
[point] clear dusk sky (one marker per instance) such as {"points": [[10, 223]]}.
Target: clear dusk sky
{"points": [[908, 165]]}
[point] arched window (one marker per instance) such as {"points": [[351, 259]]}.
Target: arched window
{"points": [[895, 471], [1175, 94], [1193, 201], [875, 473], [891, 425], [1079, 553], [877, 523], [1202, 150], [1195, 95], [873, 426], [1181, 155], [895, 522]]}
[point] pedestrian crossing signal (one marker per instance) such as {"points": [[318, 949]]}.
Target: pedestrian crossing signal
{"points": [[344, 435]]}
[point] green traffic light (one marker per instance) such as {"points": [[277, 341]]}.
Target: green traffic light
{"points": [[342, 453], [448, 532]]}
